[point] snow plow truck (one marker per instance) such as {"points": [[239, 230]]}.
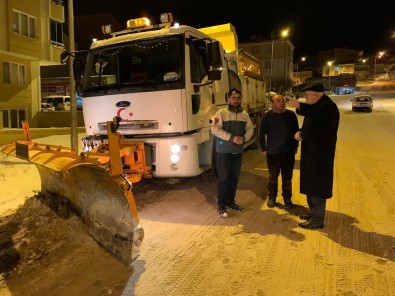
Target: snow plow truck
{"points": [[150, 93], [166, 83]]}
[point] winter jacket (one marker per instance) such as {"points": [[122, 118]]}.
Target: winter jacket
{"points": [[277, 132], [228, 124]]}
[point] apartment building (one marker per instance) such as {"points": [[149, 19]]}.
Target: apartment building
{"points": [[31, 36], [276, 57]]}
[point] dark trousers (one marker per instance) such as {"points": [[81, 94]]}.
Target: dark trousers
{"points": [[317, 208], [228, 169], [280, 164]]}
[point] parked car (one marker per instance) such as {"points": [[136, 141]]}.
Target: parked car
{"points": [[79, 102], [362, 102], [47, 107], [60, 102]]}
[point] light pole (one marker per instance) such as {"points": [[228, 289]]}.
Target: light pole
{"points": [[329, 64], [73, 101], [284, 33], [302, 59], [380, 54]]}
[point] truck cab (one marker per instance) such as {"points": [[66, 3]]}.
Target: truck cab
{"points": [[165, 83]]}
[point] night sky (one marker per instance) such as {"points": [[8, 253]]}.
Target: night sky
{"points": [[314, 25]]}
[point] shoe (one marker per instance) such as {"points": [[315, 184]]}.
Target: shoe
{"points": [[311, 225], [236, 207], [305, 217], [271, 203], [223, 213], [289, 205]]}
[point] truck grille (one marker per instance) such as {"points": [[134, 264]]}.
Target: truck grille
{"points": [[132, 125]]}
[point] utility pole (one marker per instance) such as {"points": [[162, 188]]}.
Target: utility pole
{"points": [[73, 101], [302, 59], [271, 69], [297, 76], [285, 63], [284, 33], [329, 65]]}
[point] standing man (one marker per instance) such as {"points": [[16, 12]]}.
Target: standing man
{"points": [[276, 139], [318, 135], [232, 127]]}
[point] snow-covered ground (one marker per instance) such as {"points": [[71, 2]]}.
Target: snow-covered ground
{"points": [[189, 250]]}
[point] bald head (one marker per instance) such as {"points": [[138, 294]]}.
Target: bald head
{"points": [[278, 103]]}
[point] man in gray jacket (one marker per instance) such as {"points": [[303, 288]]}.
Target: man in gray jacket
{"points": [[232, 127]]}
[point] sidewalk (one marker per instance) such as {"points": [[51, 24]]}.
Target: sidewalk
{"points": [[8, 136]]}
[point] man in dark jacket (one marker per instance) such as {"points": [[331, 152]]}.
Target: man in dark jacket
{"points": [[318, 136], [276, 139]]}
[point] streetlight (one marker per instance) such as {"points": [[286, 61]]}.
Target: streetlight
{"points": [[302, 59], [329, 64], [380, 54], [284, 33]]}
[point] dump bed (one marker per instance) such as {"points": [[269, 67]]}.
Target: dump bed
{"points": [[246, 66]]}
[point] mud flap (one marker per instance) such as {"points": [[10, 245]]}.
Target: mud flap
{"points": [[102, 204]]}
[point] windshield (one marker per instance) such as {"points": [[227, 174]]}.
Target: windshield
{"points": [[141, 62]]}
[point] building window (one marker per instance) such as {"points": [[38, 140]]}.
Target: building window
{"points": [[24, 24], [255, 50], [267, 64], [56, 29], [13, 73], [13, 118], [268, 48]]}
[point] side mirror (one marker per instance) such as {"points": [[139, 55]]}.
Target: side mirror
{"points": [[214, 54], [214, 60]]}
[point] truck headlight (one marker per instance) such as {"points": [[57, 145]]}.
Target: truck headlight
{"points": [[175, 148], [174, 158]]}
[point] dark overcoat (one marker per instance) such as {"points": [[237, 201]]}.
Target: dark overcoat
{"points": [[319, 136]]}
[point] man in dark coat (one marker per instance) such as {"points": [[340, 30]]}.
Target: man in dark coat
{"points": [[318, 136]]}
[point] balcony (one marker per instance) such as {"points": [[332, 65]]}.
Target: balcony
{"points": [[56, 10]]}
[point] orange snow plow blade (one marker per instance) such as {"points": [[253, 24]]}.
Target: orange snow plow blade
{"points": [[98, 184]]}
